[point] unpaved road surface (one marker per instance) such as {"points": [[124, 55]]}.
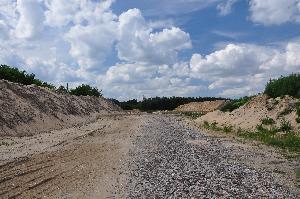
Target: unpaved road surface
{"points": [[140, 156]]}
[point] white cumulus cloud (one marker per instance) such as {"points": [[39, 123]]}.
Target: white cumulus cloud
{"points": [[30, 22], [243, 69], [275, 12], [138, 43]]}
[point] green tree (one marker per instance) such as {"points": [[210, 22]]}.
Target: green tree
{"points": [[289, 85], [18, 76], [86, 90]]}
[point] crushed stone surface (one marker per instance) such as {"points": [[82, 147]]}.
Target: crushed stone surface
{"points": [[166, 164]]}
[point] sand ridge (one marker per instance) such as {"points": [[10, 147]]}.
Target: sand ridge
{"points": [[29, 110]]}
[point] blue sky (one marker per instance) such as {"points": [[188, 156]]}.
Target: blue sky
{"points": [[135, 48]]}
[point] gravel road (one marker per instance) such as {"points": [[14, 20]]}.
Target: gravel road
{"points": [[171, 160], [140, 156]]}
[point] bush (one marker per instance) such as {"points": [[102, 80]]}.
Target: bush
{"points": [[286, 111], [289, 85], [227, 129], [15, 75], [206, 125], [267, 121], [193, 115], [234, 104], [62, 89], [86, 90], [298, 112], [285, 126]]}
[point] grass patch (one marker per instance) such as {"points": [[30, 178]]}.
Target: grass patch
{"points": [[286, 126], [227, 129], [267, 121], [193, 115], [235, 104], [214, 126], [289, 140], [298, 175], [285, 112]]}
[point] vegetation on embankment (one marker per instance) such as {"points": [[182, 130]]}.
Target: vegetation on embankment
{"points": [[16, 75], [283, 137], [289, 85], [235, 104], [20, 76]]}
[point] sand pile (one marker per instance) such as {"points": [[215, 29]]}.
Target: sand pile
{"points": [[28, 110], [203, 107], [251, 114]]}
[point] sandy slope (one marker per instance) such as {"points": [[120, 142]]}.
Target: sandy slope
{"points": [[250, 115], [28, 110], [203, 107]]}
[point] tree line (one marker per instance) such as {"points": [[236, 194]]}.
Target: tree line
{"points": [[289, 85], [13, 74], [161, 103]]}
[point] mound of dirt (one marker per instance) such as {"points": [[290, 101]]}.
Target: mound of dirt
{"points": [[252, 113], [29, 110], [203, 107]]}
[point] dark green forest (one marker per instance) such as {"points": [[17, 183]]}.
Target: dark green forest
{"points": [[161, 103]]}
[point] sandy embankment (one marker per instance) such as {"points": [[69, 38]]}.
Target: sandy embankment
{"points": [[29, 110], [250, 115]]}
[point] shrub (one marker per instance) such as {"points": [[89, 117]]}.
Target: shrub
{"points": [[193, 115], [234, 104], [267, 121], [286, 111], [206, 124], [285, 126], [298, 112], [289, 85], [227, 129], [86, 90], [62, 89]]}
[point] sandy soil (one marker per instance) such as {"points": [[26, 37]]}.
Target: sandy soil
{"points": [[82, 162], [203, 107]]}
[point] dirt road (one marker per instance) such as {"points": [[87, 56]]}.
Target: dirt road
{"points": [[140, 156]]}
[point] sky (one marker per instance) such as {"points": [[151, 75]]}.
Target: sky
{"points": [[136, 48]]}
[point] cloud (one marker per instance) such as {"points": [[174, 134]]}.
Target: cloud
{"points": [[138, 43], [274, 12], [30, 22], [71, 41], [127, 81], [176, 7], [228, 34], [243, 69], [225, 8]]}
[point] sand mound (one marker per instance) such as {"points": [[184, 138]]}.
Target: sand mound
{"points": [[203, 107], [28, 110], [250, 115]]}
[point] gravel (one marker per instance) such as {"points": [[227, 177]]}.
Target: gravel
{"points": [[163, 164]]}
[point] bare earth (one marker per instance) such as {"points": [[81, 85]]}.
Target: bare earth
{"points": [[141, 156]]}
